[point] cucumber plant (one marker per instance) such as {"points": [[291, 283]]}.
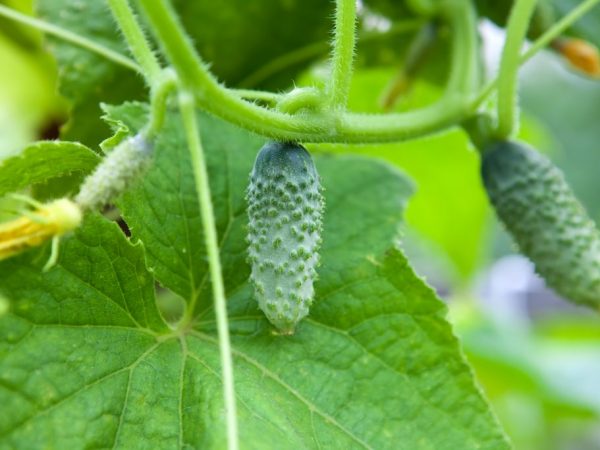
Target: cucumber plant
{"points": [[130, 340]]}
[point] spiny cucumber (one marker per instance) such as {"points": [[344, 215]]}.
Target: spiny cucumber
{"points": [[285, 209], [119, 169], [538, 208]]}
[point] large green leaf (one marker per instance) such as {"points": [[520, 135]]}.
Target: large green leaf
{"points": [[86, 361]]}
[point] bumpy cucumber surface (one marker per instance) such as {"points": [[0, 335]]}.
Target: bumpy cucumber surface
{"points": [[537, 206], [285, 209], [116, 173]]}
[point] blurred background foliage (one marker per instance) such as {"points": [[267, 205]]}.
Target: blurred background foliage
{"points": [[536, 357]]}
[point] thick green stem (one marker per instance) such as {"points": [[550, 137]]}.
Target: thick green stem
{"points": [[518, 23], [255, 95], [188, 114], [138, 45], [314, 127], [464, 76], [343, 53]]}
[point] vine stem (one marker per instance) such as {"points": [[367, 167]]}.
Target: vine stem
{"points": [[188, 114], [69, 36], [315, 127], [518, 23], [162, 87], [343, 53], [136, 39], [355, 128], [556, 30]]}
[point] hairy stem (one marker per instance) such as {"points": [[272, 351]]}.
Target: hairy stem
{"points": [[314, 127], [188, 114], [263, 96], [162, 87], [518, 23], [319, 49], [135, 38], [68, 36], [343, 53]]}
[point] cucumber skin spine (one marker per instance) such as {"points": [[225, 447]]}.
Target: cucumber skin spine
{"points": [[285, 210], [538, 208]]}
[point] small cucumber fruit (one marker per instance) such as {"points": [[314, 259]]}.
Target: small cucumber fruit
{"points": [[116, 173], [538, 208], [285, 210]]}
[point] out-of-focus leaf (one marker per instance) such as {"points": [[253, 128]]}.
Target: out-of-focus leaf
{"points": [[27, 98], [572, 117], [588, 27], [541, 381]]}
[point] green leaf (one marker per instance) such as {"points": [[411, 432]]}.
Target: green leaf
{"points": [[43, 161], [85, 360]]}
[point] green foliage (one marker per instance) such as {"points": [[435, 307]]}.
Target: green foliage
{"points": [[285, 211], [85, 359], [85, 78], [119, 345], [43, 161], [533, 200]]}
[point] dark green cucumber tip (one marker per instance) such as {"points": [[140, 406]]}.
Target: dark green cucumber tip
{"points": [[277, 157]]}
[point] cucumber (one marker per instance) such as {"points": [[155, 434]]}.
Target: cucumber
{"points": [[122, 167], [285, 210], [535, 203]]}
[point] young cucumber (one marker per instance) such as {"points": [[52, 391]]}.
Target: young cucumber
{"points": [[538, 208], [285, 210]]}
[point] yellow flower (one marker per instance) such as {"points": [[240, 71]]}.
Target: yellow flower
{"points": [[48, 221]]}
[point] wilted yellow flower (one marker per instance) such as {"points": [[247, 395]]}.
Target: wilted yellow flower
{"points": [[47, 221], [581, 54]]}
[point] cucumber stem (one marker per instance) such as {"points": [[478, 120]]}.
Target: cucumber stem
{"points": [[518, 23], [190, 123], [343, 53], [136, 40]]}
